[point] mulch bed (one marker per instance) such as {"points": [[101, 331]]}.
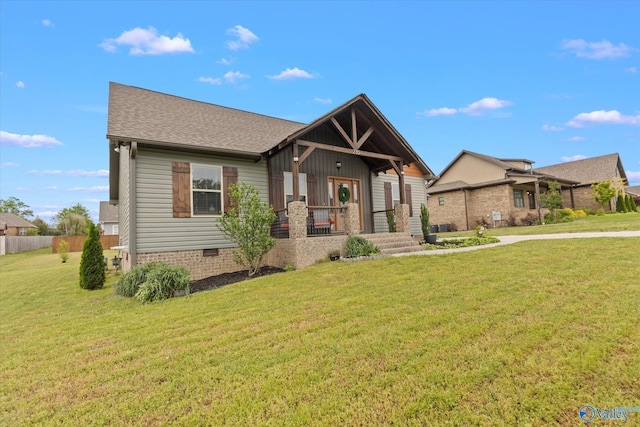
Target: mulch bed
{"points": [[220, 280]]}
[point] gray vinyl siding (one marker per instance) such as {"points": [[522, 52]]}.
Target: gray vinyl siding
{"points": [[123, 197], [418, 196], [157, 229]]}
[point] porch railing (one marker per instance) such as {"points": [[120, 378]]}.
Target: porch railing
{"points": [[321, 221], [280, 227], [384, 221]]}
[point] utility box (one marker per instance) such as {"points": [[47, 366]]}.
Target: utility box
{"points": [[443, 228], [497, 216]]}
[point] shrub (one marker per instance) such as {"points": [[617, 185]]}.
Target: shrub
{"points": [[391, 221], [621, 206], [359, 246], [289, 267], [580, 213], [529, 219], [92, 274], [63, 250], [162, 281], [630, 204], [634, 207]]}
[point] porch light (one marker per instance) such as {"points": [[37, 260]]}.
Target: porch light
{"points": [[338, 164], [295, 159], [117, 148]]}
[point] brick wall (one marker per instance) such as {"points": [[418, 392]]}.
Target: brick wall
{"points": [[583, 198], [302, 253], [451, 212], [199, 266]]}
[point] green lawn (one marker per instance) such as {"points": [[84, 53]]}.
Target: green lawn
{"points": [[609, 222], [522, 334]]}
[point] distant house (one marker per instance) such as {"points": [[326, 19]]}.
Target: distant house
{"points": [[634, 191], [586, 172], [478, 189], [173, 159], [108, 219], [15, 225]]}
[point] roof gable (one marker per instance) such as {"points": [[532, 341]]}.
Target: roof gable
{"points": [[13, 220], [108, 213]]}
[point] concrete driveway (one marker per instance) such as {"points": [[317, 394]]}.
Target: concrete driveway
{"points": [[506, 240]]}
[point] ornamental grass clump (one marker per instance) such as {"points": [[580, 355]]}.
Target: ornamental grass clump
{"points": [[359, 246], [162, 281], [130, 282]]}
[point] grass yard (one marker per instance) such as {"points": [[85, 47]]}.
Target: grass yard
{"points": [[608, 222], [522, 334]]}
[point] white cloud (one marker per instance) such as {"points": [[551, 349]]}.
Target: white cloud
{"points": [[94, 189], [565, 159], [244, 37], [597, 50], [148, 42], [443, 111], [27, 141], [101, 173], [633, 177], [51, 188], [323, 100], [20, 84], [22, 189], [631, 70], [575, 139], [600, 117], [233, 76], [210, 80], [9, 164], [485, 104], [292, 73], [548, 128], [224, 61], [47, 23], [46, 172]]}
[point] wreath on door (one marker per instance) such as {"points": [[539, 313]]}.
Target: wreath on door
{"points": [[344, 194]]}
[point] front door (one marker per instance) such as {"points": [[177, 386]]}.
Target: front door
{"points": [[353, 186]]}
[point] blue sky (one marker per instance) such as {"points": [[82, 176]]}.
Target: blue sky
{"points": [[545, 81]]}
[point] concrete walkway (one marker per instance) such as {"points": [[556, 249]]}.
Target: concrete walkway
{"points": [[506, 240]]}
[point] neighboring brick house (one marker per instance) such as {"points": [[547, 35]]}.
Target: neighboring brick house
{"points": [[586, 172], [634, 191], [108, 219], [172, 160], [15, 225], [479, 189]]}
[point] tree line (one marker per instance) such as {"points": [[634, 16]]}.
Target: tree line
{"points": [[71, 221]]}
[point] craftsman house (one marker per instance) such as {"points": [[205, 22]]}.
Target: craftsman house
{"points": [[586, 172], [477, 189], [172, 160]]}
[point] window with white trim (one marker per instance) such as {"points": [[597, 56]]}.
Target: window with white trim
{"points": [[288, 187], [395, 194], [206, 190], [115, 229]]}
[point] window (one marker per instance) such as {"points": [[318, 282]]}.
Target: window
{"points": [[527, 166], [288, 187], [441, 200], [206, 190], [518, 199], [115, 229], [395, 194]]}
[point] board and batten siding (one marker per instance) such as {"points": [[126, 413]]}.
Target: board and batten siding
{"points": [[418, 197], [157, 229], [123, 197], [472, 170]]}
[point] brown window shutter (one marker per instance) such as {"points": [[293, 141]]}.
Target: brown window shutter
{"points": [[407, 196], [388, 196], [181, 172], [229, 176], [312, 191], [276, 190]]}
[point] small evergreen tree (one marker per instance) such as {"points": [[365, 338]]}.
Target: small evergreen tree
{"points": [[634, 207], [92, 275], [629, 203], [621, 206], [248, 223]]}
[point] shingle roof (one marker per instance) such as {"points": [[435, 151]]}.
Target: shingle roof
{"points": [[633, 189], [460, 185], [108, 213], [585, 171], [145, 115], [14, 220]]}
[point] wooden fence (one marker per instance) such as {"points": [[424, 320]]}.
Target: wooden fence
{"points": [[76, 242], [16, 244]]}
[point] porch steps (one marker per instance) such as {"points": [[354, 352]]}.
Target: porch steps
{"points": [[394, 243]]}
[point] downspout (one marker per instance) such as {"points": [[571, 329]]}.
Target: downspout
{"points": [[573, 203], [538, 199], [132, 203]]}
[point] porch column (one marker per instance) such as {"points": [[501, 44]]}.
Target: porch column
{"points": [[402, 219], [352, 219], [297, 213], [538, 200], [295, 165], [403, 194]]}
